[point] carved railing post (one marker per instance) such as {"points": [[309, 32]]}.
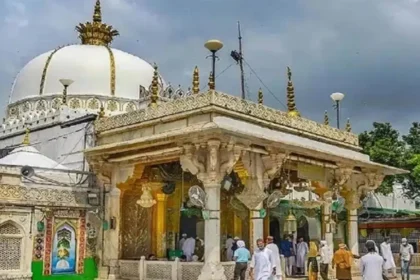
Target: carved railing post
{"points": [[210, 162]]}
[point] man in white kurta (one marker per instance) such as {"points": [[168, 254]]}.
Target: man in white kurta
{"points": [[389, 263], [276, 256], [301, 252], [262, 264], [371, 264], [188, 248]]}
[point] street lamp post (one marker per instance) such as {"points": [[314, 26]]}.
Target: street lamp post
{"points": [[337, 97], [66, 83], [213, 46]]}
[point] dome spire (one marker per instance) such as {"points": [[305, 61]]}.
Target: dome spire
{"points": [[96, 32], [26, 141], [97, 14]]}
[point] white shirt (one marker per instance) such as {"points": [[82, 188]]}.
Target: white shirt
{"points": [[406, 252], [326, 255], [371, 266], [276, 257], [263, 264]]}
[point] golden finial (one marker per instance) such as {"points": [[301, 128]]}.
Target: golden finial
{"points": [[101, 113], [97, 14], [211, 81], [260, 96], [291, 106], [196, 81], [154, 87], [25, 141], [96, 32], [326, 118], [348, 126]]}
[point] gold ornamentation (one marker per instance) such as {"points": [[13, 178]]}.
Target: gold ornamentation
{"points": [[93, 104], [211, 82], [112, 105], [136, 223], [44, 71], [260, 96], [230, 104], [154, 87], [146, 200], [348, 126], [291, 105], [196, 81], [41, 105], [26, 141], [96, 32], [112, 69], [56, 103], [326, 118], [75, 103], [101, 113]]}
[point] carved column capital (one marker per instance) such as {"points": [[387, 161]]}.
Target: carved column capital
{"points": [[342, 174], [372, 180], [273, 163], [210, 161]]}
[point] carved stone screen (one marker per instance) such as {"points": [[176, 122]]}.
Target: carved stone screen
{"points": [[10, 247]]}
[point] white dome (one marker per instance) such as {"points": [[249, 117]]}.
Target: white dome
{"points": [[89, 67], [29, 156]]}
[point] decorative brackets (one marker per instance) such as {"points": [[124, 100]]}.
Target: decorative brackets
{"points": [[372, 181], [102, 170], [342, 174], [273, 163], [210, 161]]}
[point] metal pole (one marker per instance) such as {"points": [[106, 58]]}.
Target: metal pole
{"points": [[338, 113], [213, 56], [241, 65]]}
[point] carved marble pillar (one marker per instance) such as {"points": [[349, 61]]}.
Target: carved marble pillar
{"points": [[327, 230], [161, 217], [261, 169], [210, 162], [353, 231], [111, 244]]}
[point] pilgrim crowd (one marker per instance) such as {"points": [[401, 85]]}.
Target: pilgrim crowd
{"points": [[301, 258]]}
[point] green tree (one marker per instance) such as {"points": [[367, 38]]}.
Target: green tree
{"points": [[384, 146], [412, 181]]}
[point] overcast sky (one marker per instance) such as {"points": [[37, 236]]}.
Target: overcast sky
{"points": [[369, 50]]}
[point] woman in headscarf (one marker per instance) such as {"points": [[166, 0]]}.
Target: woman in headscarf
{"points": [[342, 260], [312, 261], [241, 256]]}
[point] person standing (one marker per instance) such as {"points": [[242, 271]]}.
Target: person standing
{"points": [[371, 264], [406, 254], [181, 241], [228, 248], [276, 256], [262, 264], [301, 252], [342, 260], [241, 258], [389, 263], [286, 249], [326, 258], [312, 261]]}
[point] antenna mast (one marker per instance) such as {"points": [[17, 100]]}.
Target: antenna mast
{"points": [[238, 57]]}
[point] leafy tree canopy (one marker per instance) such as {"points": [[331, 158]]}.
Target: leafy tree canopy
{"points": [[384, 145]]}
